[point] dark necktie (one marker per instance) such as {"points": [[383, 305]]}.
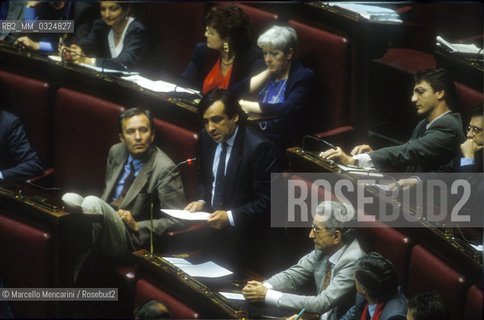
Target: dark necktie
{"points": [[128, 181], [219, 179], [327, 275]]}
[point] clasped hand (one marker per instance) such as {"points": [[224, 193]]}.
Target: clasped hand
{"points": [[254, 291]]}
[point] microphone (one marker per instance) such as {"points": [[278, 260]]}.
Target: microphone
{"points": [[317, 139], [42, 187], [187, 161]]}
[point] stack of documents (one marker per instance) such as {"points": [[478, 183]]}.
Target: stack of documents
{"points": [[469, 50], [370, 12]]}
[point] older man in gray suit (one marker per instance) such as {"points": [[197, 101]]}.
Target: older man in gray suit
{"points": [[331, 265], [137, 172]]}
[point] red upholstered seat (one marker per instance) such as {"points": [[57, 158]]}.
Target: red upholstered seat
{"points": [[29, 99], [393, 245], [188, 19], [473, 304], [179, 144], [328, 55], [407, 60], [85, 128], [467, 99], [26, 261], [146, 291], [261, 20], [428, 273]]}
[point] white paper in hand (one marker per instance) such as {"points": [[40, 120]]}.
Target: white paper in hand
{"points": [[187, 215]]}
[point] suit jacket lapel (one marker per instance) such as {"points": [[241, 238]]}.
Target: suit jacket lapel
{"points": [[233, 165], [140, 180], [116, 169]]}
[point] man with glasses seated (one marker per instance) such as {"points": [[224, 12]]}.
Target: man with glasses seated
{"points": [[330, 265], [470, 157], [434, 141]]}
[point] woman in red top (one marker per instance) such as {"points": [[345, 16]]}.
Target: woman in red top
{"points": [[227, 58]]}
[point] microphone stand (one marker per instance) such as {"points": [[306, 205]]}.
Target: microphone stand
{"points": [[317, 139], [187, 161]]}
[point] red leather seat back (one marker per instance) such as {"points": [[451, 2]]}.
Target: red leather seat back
{"points": [[85, 128], [179, 144], [467, 99], [188, 19], [393, 245], [29, 99], [473, 304], [328, 55], [428, 273], [261, 20], [146, 291], [26, 261]]}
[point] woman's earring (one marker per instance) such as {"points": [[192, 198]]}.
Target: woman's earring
{"points": [[226, 47]]}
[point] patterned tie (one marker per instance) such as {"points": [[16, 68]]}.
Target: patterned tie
{"points": [[327, 275], [219, 179]]}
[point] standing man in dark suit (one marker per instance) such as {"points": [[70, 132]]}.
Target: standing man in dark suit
{"points": [[18, 161], [133, 172], [434, 141], [234, 174]]}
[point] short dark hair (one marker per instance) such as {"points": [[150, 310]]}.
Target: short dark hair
{"points": [[477, 111], [377, 276], [153, 309], [230, 21], [230, 101], [428, 306], [134, 112], [439, 79]]}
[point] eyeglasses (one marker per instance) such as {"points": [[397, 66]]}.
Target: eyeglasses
{"points": [[316, 229], [474, 130]]}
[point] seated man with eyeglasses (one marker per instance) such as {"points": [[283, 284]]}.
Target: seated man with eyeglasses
{"points": [[330, 265]]}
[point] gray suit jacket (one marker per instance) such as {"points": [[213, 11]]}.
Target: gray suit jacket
{"points": [[168, 194], [426, 150], [310, 268]]}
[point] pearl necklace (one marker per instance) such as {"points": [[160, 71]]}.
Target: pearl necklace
{"points": [[283, 85]]}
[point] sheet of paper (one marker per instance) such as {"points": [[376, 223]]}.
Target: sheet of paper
{"points": [[233, 296], [177, 261], [186, 215], [357, 171], [98, 69], [207, 269], [157, 86], [477, 247]]}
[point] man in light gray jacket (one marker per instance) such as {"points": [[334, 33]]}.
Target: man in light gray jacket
{"points": [[330, 265]]}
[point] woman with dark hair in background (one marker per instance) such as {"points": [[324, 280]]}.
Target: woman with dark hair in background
{"points": [[227, 57], [116, 41]]}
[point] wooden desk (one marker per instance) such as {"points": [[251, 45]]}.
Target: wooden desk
{"points": [[202, 294]]}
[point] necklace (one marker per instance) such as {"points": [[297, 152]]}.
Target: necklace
{"points": [[229, 61], [276, 98]]}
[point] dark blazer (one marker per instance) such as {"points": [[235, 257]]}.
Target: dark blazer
{"points": [[294, 113], [426, 150], [246, 63], [395, 309], [18, 161], [454, 164], [248, 176], [97, 45]]}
